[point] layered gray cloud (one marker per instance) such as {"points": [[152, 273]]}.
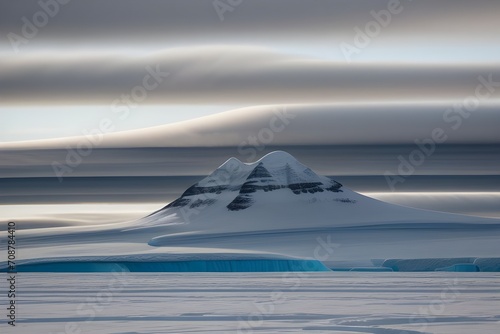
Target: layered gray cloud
{"points": [[229, 74], [332, 124], [92, 52], [119, 22]]}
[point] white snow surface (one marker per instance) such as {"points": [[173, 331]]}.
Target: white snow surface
{"points": [[228, 303]]}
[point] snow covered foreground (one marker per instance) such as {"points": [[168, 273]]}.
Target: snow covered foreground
{"points": [[272, 215], [378, 303]]}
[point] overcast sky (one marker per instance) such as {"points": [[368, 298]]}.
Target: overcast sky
{"points": [[193, 59]]}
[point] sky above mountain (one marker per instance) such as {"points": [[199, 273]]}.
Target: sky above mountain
{"points": [[66, 64]]}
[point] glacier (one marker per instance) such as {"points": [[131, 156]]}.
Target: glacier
{"points": [[461, 267], [264, 265]]}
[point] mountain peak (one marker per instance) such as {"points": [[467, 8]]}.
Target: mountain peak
{"points": [[231, 164], [238, 186], [277, 157], [259, 172]]}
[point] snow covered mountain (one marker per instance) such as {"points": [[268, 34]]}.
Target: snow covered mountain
{"points": [[276, 171], [270, 215], [277, 193]]}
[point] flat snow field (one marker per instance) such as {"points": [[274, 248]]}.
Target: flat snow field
{"points": [[333, 302]]}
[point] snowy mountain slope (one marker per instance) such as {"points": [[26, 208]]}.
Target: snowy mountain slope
{"points": [[279, 205], [278, 192], [274, 207], [275, 171]]}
